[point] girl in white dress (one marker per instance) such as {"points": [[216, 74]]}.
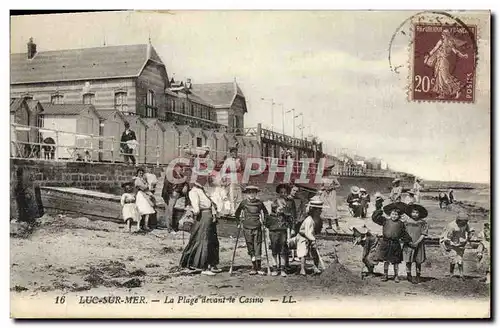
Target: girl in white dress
{"points": [[143, 201], [129, 208], [306, 240]]}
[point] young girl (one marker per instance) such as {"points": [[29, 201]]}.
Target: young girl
{"points": [[306, 240], [129, 209], [393, 231], [483, 252], [145, 205], [418, 229], [453, 240], [220, 196]]}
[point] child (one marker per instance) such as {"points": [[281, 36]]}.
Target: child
{"points": [[453, 240], [483, 252], [252, 208], [306, 240], [129, 209], [280, 220], [220, 196], [354, 202], [418, 229], [410, 199], [369, 242], [365, 201], [396, 191], [393, 231]]}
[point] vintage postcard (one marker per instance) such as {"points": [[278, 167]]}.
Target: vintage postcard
{"points": [[250, 164]]}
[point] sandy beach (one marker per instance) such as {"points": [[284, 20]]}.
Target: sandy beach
{"points": [[77, 257]]}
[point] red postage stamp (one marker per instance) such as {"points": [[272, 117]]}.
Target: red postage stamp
{"points": [[444, 63]]}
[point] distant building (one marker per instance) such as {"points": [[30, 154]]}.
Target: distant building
{"points": [[131, 79]]}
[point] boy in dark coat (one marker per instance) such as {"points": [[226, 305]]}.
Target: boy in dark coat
{"points": [[279, 223], [253, 208]]}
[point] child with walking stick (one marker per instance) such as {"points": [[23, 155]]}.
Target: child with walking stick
{"points": [[253, 208]]}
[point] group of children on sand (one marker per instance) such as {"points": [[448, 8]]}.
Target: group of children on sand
{"points": [[286, 229], [404, 230]]}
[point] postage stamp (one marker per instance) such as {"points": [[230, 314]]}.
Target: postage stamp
{"points": [[444, 62]]}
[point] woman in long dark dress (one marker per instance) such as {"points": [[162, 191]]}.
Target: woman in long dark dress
{"points": [[202, 250]]}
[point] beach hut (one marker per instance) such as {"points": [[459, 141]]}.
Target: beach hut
{"points": [[154, 141], [138, 125], [112, 129], [77, 126], [19, 136], [221, 149], [242, 147], [199, 137], [171, 142], [186, 136], [211, 141]]}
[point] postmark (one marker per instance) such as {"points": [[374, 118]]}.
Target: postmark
{"points": [[441, 56], [443, 62]]}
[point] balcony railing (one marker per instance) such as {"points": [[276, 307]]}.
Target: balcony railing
{"points": [[288, 140], [192, 121]]}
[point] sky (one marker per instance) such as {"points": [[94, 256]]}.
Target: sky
{"points": [[331, 66]]}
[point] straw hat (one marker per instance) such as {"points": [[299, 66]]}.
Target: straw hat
{"points": [[462, 216], [411, 192], [128, 183], [400, 206], [362, 189], [422, 212], [233, 149], [378, 195], [396, 180], [250, 189], [355, 190], [316, 202]]}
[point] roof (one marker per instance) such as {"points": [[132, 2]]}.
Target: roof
{"points": [[219, 95], [32, 104], [67, 109], [15, 104], [106, 114], [81, 64]]}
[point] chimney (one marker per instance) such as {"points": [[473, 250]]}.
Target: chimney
{"points": [[31, 49], [188, 83]]}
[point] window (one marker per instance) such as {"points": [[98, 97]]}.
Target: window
{"points": [[28, 98], [151, 112], [199, 142], [150, 100], [88, 98], [56, 99], [183, 108], [121, 101], [191, 112]]}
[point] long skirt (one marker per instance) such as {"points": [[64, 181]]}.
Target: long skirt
{"points": [[202, 249], [389, 251]]}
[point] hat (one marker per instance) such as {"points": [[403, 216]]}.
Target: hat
{"points": [[462, 216], [316, 202], [421, 210], [378, 195], [362, 189], [400, 206], [411, 192], [396, 180], [251, 189], [282, 185], [233, 149], [355, 190], [360, 230], [128, 183]]}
